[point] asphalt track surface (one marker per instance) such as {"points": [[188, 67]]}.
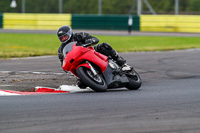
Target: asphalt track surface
{"points": [[168, 101]]}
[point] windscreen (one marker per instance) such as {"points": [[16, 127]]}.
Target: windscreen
{"points": [[68, 48]]}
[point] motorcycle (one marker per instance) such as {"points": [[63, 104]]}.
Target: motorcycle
{"points": [[96, 70]]}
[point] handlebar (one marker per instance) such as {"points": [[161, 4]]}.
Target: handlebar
{"points": [[86, 45]]}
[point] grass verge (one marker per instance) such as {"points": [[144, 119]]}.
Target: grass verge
{"points": [[24, 45]]}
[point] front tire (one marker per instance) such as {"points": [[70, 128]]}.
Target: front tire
{"points": [[97, 83], [135, 81]]}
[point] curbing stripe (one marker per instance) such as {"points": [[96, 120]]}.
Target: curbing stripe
{"points": [[44, 90], [6, 93], [39, 91]]}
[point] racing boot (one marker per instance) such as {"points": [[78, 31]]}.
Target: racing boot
{"points": [[80, 84], [122, 62], [127, 68]]}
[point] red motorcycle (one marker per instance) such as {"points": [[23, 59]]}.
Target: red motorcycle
{"points": [[96, 70]]}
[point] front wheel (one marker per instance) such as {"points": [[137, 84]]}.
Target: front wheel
{"points": [[135, 81], [97, 83]]}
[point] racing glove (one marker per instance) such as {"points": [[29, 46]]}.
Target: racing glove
{"points": [[90, 41]]}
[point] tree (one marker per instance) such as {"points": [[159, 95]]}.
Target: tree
{"points": [[194, 6], [91, 6]]}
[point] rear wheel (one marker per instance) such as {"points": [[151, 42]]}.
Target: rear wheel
{"points": [[95, 82], [135, 81]]}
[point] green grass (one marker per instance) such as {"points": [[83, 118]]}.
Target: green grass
{"points": [[23, 45], [151, 43]]}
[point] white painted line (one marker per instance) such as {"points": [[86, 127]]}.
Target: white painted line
{"points": [[5, 71], [35, 57], [6, 85]]}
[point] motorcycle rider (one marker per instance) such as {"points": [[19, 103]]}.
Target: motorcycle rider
{"points": [[66, 35]]}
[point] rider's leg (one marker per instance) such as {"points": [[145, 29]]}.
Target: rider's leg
{"points": [[107, 50], [80, 84]]}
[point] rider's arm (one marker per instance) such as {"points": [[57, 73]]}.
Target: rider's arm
{"points": [[85, 38], [91, 39]]}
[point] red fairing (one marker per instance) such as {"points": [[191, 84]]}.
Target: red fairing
{"points": [[103, 57], [79, 54], [85, 65]]}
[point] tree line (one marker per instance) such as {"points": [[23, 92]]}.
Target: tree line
{"points": [[108, 6]]}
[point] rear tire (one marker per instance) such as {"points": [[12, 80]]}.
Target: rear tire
{"points": [[135, 81], [97, 83]]}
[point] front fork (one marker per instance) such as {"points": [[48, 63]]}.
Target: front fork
{"points": [[88, 65], [92, 68]]}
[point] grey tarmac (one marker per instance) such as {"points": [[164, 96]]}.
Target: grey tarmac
{"points": [[168, 101]]}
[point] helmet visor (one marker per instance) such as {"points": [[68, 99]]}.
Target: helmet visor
{"points": [[65, 37]]}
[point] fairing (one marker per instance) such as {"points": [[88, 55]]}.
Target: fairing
{"points": [[76, 55]]}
